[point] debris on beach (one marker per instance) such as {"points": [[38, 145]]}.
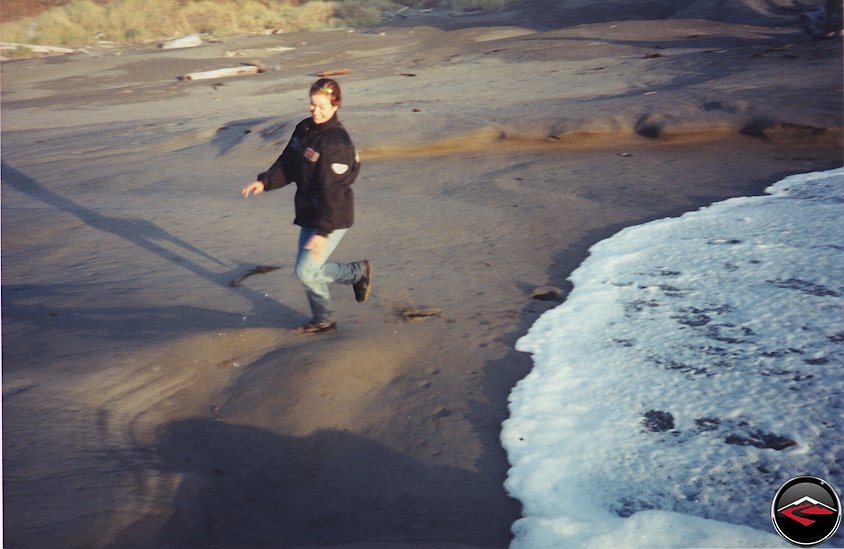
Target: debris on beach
{"points": [[245, 68], [547, 293], [260, 269], [407, 310], [334, 72], [228, 364], [413, 313], [244, 53], [190, 41], [38, 49]]}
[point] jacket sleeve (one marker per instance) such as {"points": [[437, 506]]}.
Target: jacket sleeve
{"points": [[274, 178], [337, 170], [280, 173]]}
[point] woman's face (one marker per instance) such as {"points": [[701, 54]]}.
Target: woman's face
{"points": [[321, 108]]}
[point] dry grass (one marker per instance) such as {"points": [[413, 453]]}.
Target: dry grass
{"points": [[81, 22]]}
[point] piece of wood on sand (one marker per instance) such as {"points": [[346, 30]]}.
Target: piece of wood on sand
{"points": [[35, 48], [243, 69], [189, 41], [334, 72], [414, 313]]}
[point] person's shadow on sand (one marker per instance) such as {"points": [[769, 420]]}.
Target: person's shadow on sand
{"points": [[247, 487], [141, 233]]}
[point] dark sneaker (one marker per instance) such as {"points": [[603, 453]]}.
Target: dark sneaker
{"points": [[317, 327], [363, 287]]}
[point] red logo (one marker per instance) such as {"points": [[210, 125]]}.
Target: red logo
{"points": [[311, 154], [801, 510]]}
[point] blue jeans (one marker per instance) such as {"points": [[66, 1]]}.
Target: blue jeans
{"points": [[317, 274]]}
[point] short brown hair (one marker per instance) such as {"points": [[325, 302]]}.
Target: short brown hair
{"points": [[329, 87]]}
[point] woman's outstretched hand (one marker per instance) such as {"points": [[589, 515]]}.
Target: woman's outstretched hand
{"points": [[253, 188]]}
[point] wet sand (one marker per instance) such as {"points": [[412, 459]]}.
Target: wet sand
{"points": [[147, 403]]}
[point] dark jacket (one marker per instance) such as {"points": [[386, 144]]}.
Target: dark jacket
{"points": [[321, 160]]}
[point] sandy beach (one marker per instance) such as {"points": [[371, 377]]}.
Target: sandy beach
{"points": [[148, 403]]}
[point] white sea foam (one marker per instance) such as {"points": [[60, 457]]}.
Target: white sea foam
{"points": [[695, 367]]}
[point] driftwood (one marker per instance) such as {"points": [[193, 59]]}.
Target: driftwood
{"points": [[246, 68], [257, 51], [412, 313], [35, 48], [334, 72], [260, 269], [190, 41]]}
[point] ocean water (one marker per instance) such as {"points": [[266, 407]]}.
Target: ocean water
{"points": [[695, 368]]}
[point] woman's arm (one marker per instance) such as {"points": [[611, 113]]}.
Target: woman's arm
{"points": [[280, 173]]}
